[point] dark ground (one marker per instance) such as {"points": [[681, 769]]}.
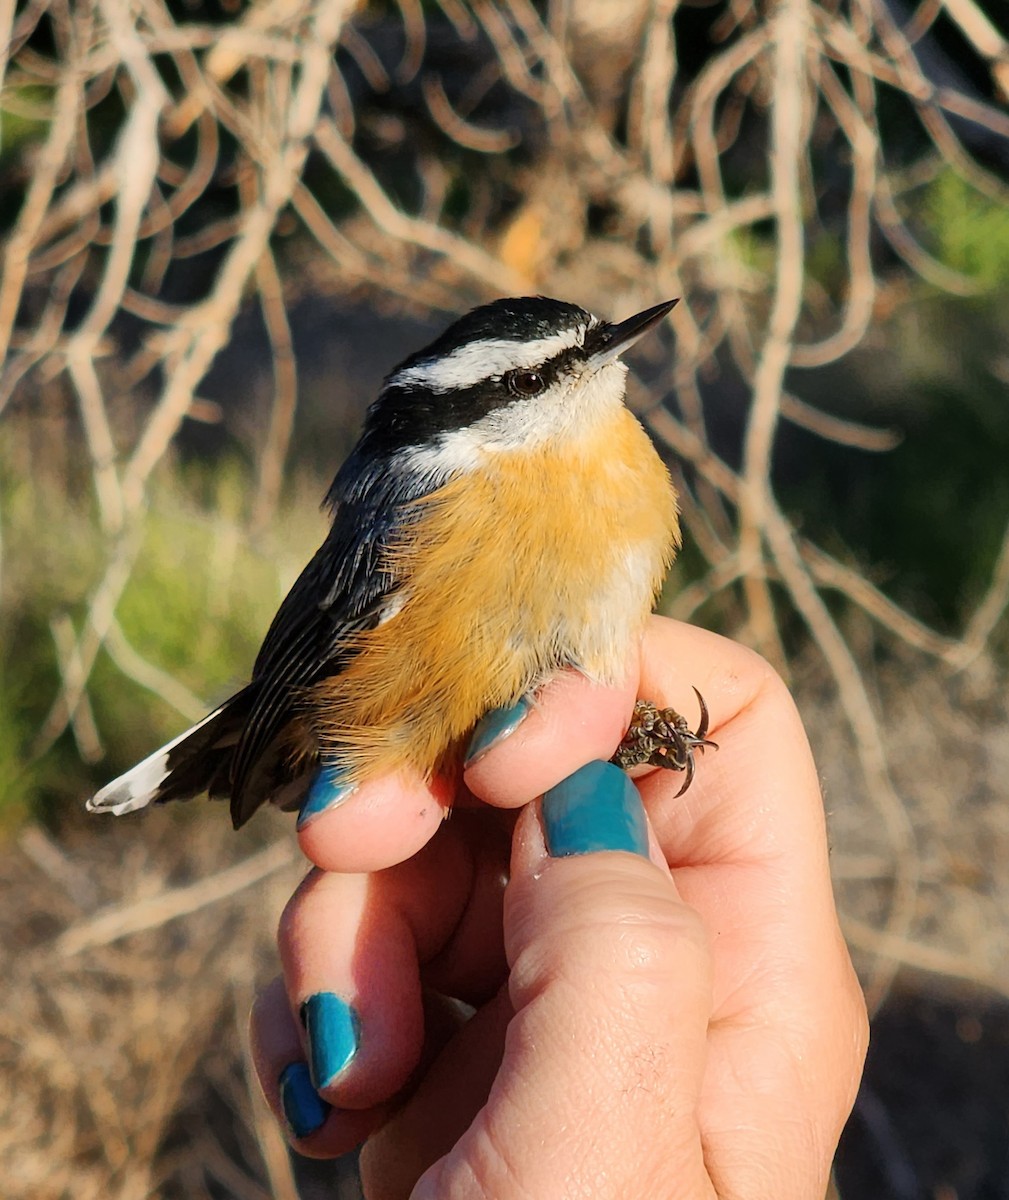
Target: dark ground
{"points": [[932, 1118]]}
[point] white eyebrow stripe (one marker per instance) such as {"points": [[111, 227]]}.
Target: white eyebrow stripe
{"points": [[487, 359]]}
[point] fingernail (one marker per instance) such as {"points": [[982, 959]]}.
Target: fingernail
{"points": [[333, 1035], [498, 724], [305, 1110], [328, 789], [596, 808]]}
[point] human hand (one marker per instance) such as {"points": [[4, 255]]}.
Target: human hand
{"points": [[684, 1025]]}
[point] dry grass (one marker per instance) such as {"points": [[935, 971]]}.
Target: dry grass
{"points": [[124, 1053], [946, 741]]}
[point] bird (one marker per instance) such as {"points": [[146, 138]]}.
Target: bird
{"points": [[502, 517]]}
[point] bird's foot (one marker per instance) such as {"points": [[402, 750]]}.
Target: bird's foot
{"points": [[661, 737]]}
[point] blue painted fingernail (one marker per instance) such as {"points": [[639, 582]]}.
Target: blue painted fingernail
{"points": [[328, 789], [333, 1036], [596, 808], [498, 724], [305, 1111]]}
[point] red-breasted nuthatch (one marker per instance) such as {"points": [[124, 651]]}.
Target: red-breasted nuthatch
{"points": [[502, 516]]}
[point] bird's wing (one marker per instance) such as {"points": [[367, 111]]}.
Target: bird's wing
{"points": [[343, 590]]}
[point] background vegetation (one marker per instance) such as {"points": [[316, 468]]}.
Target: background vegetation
{"points": [[223, 222]]}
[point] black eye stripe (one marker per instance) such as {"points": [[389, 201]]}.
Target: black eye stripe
{"points": [[547, 373], [525, 381], [409, 414]]}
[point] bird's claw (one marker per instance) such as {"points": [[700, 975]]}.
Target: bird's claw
{"points": [[661, 737]]}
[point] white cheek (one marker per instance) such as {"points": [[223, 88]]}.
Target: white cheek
{"points": [[567, 409], [452, 454]]}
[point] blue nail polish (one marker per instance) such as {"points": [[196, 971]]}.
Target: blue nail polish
{"points": [[304, 1109], [327, 790], [498, 724], [596, 808], [333, 1036]]}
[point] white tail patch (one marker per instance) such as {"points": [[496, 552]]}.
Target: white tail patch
{"points": [[140, 785]]}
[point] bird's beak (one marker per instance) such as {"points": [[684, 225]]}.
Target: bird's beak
{"points": [[613, 340]]}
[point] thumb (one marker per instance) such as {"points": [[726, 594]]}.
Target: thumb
{"points": [[611, 987]]}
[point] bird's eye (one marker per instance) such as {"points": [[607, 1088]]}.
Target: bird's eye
{"points": [[525, 383]]}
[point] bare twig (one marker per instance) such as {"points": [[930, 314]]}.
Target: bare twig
{"points": [[988, 613], [112, 924], [396, 224], [48, 165], [162, 684], [790, 49], [82, 720], [984, 37]]}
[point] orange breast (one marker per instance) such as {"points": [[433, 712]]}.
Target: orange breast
{"points": [[537, 560]]}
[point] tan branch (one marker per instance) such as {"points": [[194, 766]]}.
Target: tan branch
{"points": [[900, 949], [841, 430], [285, 393], [136, 916], [989, 612], [160, 683], [861, 289], [47, 166], [82, 721], [984, 37], [396, 224], [485, 141], [869, 746], [790, 42]]}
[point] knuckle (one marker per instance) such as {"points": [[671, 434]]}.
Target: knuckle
{"points": [[289, 919], [633, 934]]}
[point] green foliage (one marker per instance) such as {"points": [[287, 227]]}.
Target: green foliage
{"points": [[747, 246], [16, 127], [925, 520], [196, 607], [971, 231]]}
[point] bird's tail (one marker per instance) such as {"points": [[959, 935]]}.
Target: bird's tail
{"points": [[196, 762]]}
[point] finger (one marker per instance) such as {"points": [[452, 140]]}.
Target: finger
{"points": [[748, 839], [748, 848], [756, 788], [359, 949], [378, 824], [610, 982], [452, 1091], [517, 754], [279, 1059]]}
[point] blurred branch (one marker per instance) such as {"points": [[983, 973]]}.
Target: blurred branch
{"points": [[988, 613], [110, 925], [984, 37], [48, 164], [861, 290], [6, 22], [903, 951], [397, 225], [838, 429], [163, 685], [70, 878], [68, 659], [788, 115]]}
